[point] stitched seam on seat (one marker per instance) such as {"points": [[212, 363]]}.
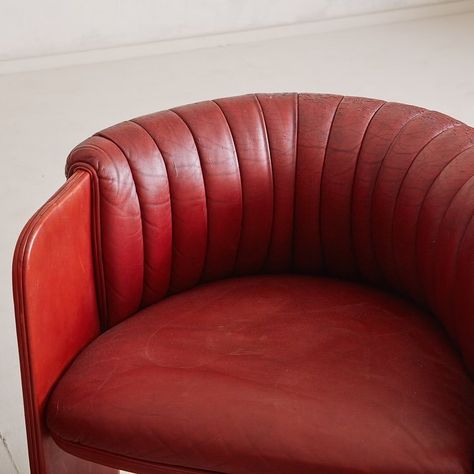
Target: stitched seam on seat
{"points": [[323, 260], [374, 187], [241, 186], [169, 191], [206, 252], [395, 205], [269, 154], [352, 214], [139, 206]]}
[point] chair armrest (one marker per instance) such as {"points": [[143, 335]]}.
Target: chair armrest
{"points": [[55, 306]]}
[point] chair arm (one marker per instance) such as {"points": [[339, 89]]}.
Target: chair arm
{"points": [[55, 307]]}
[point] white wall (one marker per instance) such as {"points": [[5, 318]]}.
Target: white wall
{"points": [[32, 28]]}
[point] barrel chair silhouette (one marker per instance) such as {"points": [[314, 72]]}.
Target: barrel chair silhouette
{"points": [[264, 284]]}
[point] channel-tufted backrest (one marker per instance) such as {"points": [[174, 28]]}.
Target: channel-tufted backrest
{"points": [[321, 184]]}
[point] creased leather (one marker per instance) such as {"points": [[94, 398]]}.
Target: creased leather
{"points": [[321, 184], [273, 375], [351, 188]]}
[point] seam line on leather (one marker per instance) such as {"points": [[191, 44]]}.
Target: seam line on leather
{"points": [[135, 121], [422, 204], [179, 469], [421, 286], [31, 409], [398, 282], [98, 250], [270, 162], [460, 243], [137, 193], [82, 164], [354, 180], [146, 284], [295, 154], [204, 263], [451, 200], [321, 242], [420, 113], [241, 187]]}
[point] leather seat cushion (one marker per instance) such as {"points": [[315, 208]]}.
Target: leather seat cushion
{"points": [[273, 374]]}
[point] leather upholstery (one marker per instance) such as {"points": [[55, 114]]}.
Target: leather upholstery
{"points": [[56, 312], [272, 375], [334, 188], [321, 184]]}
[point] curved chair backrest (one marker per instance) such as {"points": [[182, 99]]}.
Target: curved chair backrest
{"points": [[321, 184]]}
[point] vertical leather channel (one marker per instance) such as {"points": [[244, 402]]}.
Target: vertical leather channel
{"points": [[187, 198], [280, 116], [246, 123], [419, 133], [150, 181], [347, 133], [316, 113], [222, 185], [119, 219]]}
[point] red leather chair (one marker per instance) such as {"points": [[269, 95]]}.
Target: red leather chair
{"points": [[262, 284]]}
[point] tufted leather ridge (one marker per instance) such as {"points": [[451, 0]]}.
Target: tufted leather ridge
{"points": [[286, 183]]}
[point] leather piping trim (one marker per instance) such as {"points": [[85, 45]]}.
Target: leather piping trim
{"points": [[99, 274], [32, 415], [120, 461]]}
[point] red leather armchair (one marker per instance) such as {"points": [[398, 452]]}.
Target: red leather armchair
{"points": [[262, 284]]}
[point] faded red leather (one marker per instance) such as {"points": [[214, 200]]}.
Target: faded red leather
{"points": [[328, 186], [273, 374], [321, 184]]}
